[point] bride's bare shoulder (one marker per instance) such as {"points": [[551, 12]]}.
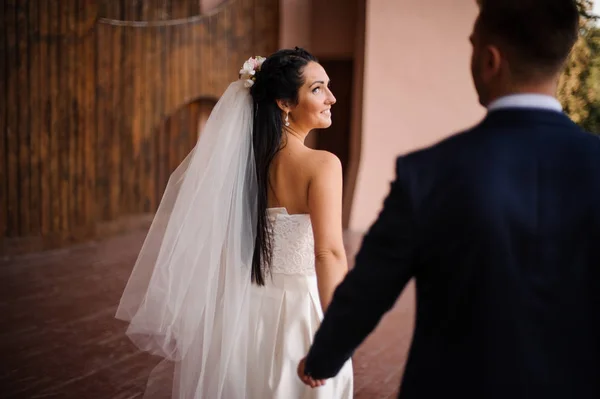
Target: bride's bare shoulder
{"points": [[320, 162]]}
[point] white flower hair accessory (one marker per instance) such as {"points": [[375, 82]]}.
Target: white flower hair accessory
{"points": [[249, 69]]}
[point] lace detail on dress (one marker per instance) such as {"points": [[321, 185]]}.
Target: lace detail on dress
{"points": [[293, 243]]}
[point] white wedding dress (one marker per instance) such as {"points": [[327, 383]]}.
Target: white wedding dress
{"points": [[286, 313], [190, 298]]}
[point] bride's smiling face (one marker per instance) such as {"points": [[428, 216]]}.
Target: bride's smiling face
{"points": [[313, 110]]}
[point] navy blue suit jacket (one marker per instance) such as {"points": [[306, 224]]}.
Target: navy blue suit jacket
{"points": [[500, 227]]}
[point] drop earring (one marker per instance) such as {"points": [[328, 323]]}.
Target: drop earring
{"points": [[286, 121]]}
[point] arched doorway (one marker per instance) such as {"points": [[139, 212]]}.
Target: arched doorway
{"points": [[209, 6]]}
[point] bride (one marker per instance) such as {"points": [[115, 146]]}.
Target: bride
{"points": [[246, 249]]}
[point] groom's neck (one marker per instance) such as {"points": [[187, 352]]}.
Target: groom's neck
{"points": [[547, 88]]}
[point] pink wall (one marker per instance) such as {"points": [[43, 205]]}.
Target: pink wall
{"points": [[417, 88], [356, 123], [294, 23]]}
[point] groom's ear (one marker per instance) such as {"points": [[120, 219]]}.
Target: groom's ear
{"points": [[492, 60]]}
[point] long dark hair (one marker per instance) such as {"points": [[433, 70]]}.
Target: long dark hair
{"points": [[280, 78]]}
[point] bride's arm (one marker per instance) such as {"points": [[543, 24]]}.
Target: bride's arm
{"points": [[325, 206]]}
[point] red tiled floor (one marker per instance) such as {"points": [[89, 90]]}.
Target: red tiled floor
{"points": [[58, 337]]}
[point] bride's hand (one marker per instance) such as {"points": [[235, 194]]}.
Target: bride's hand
{"points": [[306, 379]]}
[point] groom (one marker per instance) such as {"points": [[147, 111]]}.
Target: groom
{"points": [[500, 227]]}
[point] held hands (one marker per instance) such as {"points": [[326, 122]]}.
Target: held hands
{"points": [[306, 379]]}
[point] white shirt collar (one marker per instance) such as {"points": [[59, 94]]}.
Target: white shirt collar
{"points": [[538, 101]]}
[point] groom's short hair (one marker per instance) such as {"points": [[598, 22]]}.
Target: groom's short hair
{"points": [[536, 35]]}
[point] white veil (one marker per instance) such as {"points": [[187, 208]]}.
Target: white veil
{"points": [[187, 297]]}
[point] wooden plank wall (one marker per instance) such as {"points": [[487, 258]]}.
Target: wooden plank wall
{"points": [[101, 102]]}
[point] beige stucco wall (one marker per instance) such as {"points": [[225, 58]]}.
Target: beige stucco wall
{"points": [[417, 88]]}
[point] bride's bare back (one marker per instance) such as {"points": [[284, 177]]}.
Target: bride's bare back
{"points": [[291, 172], [307, 181]]}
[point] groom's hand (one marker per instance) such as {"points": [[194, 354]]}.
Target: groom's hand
{"points": [[306, 379]]}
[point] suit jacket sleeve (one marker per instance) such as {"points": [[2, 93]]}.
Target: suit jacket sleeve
{"points": [[383, 266]]}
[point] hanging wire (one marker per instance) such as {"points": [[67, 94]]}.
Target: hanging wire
{"points": [[169, 22]]}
